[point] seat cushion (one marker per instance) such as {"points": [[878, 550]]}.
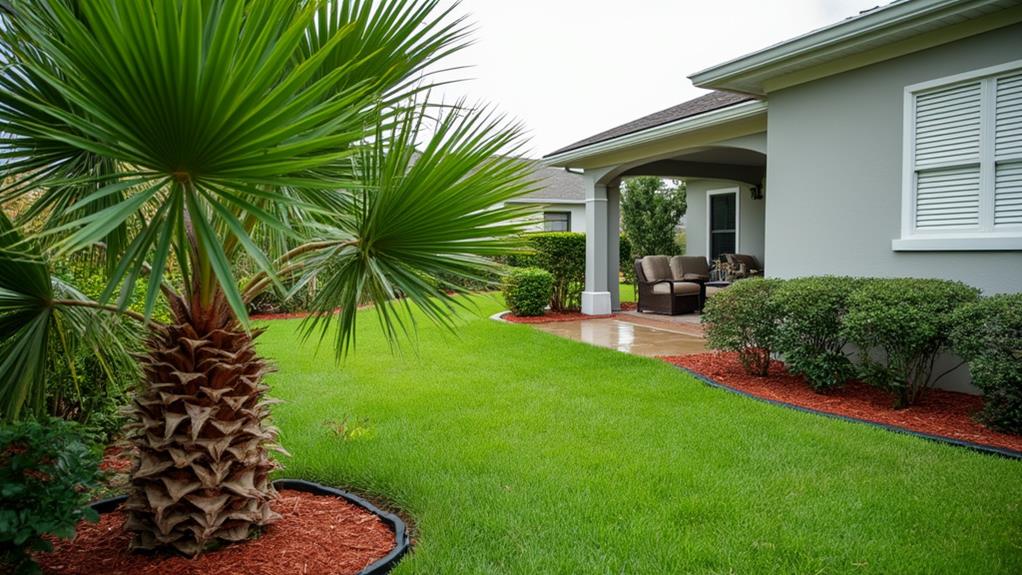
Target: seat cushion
{"points": [[690, 268], [680, 288], [656, 268]]}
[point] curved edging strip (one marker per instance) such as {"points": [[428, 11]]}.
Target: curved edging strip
{"points": [[381, 566], [987, 449]]}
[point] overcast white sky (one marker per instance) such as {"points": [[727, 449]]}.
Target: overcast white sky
{"points": [[572, 68]]}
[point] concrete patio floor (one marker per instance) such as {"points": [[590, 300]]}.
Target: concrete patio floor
{"points": [[635, 333]]}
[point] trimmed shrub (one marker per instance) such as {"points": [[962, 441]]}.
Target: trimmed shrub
{"points": [[988, 335], [906, 322], [745, 318], [563, 255], [46, 472], [527, 290], [810, 335]]}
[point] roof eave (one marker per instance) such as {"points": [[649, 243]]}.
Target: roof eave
{"points": [[709, 119], [746, 73]]}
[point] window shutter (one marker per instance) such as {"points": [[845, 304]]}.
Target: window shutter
{"points": [[947, 148], [947, 198], [948, 126], [1008, 151]]}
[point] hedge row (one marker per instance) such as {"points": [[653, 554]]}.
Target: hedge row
{"points": [[900, 326]]}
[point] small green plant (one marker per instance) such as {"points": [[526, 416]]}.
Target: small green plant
{"points": [[745, 318], [988, 335], [527, 290], [810, 335], [348, 428], [901, 326], [46, 472]]}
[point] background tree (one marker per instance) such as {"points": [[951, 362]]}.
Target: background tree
{"points": [[177, 136], [650, 212]]}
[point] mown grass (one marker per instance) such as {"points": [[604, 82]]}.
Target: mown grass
{"points": [[519, 452]]}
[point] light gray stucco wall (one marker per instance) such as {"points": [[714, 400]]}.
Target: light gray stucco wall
{"points": [[750, 219], [834, 153]]}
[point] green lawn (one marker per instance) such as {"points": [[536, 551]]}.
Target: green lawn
{"points": [[519, 452], [627, 292]]}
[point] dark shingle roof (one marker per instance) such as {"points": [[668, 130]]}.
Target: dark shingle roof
{"points": [[555, 184], [700, 105]]}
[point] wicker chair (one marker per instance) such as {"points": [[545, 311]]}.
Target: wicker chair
{"points": [[662, 293], [693, 269]]}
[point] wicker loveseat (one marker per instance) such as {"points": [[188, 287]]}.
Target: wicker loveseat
{"points": [[661, 292]]}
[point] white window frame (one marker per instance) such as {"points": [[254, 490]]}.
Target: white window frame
{"points": [[565, 213], [983, 237], [738, 217]]}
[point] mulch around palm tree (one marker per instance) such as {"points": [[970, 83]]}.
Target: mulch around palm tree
{"points": [[318, 535], [939, 412], [551, 317]]}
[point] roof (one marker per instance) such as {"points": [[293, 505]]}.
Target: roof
{"points": [[555, 184], [909, 23], [694, 107]]}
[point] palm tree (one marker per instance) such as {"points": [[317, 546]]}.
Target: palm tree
{"points": [[177, 137]]}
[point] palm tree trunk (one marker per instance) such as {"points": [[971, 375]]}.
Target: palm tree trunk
{"points": [[202, 434]]}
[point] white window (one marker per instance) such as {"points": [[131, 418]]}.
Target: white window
{"points": [[963, 162]]}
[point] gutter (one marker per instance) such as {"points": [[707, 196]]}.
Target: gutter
{"points": [[709, 119], [823, 41]]}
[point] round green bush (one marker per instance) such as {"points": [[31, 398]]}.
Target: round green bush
{"points": [[904, 321], [988, 335], [745, 318], [527, 290], [810, 335]]}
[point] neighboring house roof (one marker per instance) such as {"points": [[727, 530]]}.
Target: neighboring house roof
{"points": [[694, 107], [901, 27], [556, 185]]}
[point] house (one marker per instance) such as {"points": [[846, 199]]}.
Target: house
{"points": [[559, 200], [888, 144]]}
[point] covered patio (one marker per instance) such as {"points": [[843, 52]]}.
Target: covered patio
{"points": [[716, 143]]}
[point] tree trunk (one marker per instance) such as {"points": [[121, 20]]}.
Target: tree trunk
{"points": [[202, 434]]}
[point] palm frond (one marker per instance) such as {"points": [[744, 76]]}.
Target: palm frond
{"points": [[422, 215]]}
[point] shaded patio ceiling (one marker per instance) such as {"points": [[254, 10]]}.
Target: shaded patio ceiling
{"points": [[736, 164]]}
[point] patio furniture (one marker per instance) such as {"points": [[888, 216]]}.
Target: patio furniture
{"points": [[743, 266], [660, 293], [692, 269]]}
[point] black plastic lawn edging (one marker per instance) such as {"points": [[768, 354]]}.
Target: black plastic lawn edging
{"points": [[987, 449], [383, 565]]}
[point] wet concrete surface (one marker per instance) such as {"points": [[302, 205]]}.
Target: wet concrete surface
{"points": [[627, 336]]}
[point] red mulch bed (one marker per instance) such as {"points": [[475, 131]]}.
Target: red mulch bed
{"points": [[945, 413], [319, 535], [551, 316], [628, 306]]}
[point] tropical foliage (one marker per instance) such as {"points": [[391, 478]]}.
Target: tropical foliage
{"points": [[180, 138]]}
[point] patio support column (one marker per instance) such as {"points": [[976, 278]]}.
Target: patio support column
{"points": [[613, 241], [596, 296]]}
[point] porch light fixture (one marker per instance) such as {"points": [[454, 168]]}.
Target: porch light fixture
{"points": [[757, 192]]}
